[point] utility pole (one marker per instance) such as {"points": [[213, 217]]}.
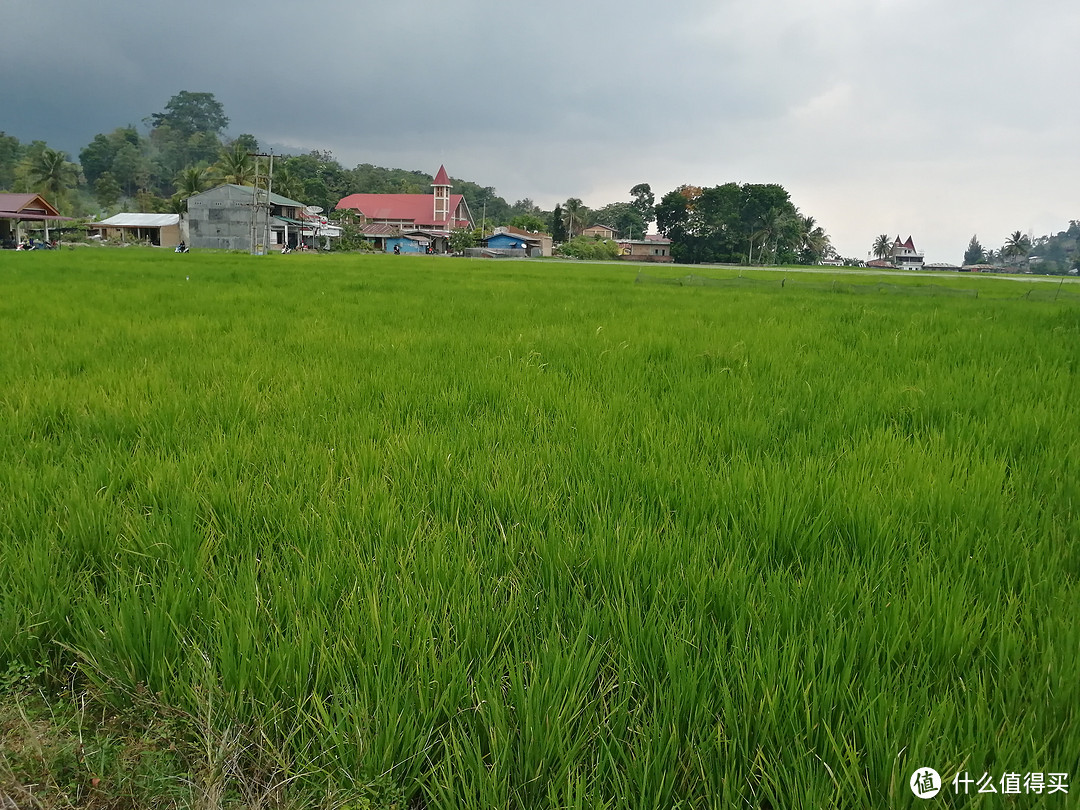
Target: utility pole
{"points": [[261, 230]]}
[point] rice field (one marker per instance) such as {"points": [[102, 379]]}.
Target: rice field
{"points": [[525, 535]]}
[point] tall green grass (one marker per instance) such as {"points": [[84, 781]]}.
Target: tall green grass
{"points": [[528, 535]]}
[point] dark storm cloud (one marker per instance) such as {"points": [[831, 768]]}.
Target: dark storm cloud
{"points": [[937, 117]]}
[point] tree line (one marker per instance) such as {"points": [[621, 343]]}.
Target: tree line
{"points": [[183, 150], [1054, 254]]}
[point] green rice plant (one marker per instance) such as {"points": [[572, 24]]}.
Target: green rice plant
{"points": [[472, 534]]}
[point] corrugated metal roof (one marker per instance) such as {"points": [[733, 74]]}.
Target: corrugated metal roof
{"points": [[244, 193], [140, 221]]}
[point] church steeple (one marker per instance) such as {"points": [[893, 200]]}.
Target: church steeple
{"points": [[442, 195]]}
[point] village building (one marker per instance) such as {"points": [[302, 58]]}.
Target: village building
{"points": [[229, 216], [533, 243], [433, 215], [904, 255], [17, 209], [162, 230], [599, 231], [653, 248]]}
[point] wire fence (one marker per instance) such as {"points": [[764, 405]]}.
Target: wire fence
{"points": [[1037, 292]]}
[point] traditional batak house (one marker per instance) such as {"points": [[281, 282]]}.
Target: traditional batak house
{"points": [[904, 255], [432, 216]]}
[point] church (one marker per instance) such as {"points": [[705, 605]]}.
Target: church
{"points": [[433, 215]]}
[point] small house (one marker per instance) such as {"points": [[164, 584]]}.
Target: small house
{"points": [[599, 231], [161, 230]]}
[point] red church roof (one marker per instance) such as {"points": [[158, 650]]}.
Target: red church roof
{"points": [[416, 208], [442, 178]]}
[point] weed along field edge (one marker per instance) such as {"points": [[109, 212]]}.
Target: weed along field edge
{"points": [[359, 531]]}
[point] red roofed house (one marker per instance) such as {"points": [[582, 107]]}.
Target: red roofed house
{"points": [[905, 256], [16, 208], [435, 214]]}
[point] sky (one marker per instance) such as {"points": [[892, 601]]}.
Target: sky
{"points": [[938, 119]]}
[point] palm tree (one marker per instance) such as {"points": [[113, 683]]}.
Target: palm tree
{"points": [[883, 246], [574, 213], [1017, 245], [287, 184], [235, 166], [814, 242], [53, 174], [191, 181]]}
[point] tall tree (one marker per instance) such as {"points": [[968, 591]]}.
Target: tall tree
{"points": [[107, 191], [528, 222], [814, 242], [52, 174], [10, 154], [644, 201], [191, 181], [235, 166], [625, 218], [974, 253], [574, 214], [245, 141], [525, 206], [188, 113], [1016, 246], [558, 226], [883, 246], [726, 223], [286, 183], [188, 132]]}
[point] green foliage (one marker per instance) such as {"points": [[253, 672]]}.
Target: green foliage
{"points": [[526, 207], [462, 238], [575, 216], [529, 222], [10, 154], [589, 248], [188, 113], [352, 236], [107, 191], [245, 141], [755, 223], [235, 165], [974, 253], [483, 202], [192, 180], [188, 132], [625, 218], [557, 226], [369, 179], [99, 155], [288, 184], [48, 172], [883, 246], [315, 178], [1016, 247], [644, 201], [814, 244]]}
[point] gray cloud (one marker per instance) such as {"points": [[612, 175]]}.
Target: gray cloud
{"points": [[935, 118]]}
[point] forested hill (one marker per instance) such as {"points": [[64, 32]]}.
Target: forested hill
{"points": [[185, 151]]}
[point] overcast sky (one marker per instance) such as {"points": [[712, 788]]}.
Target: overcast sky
{"points": [[934, 118]]}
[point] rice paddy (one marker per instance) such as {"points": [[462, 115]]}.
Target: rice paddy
{"points": [[522, 535]]}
